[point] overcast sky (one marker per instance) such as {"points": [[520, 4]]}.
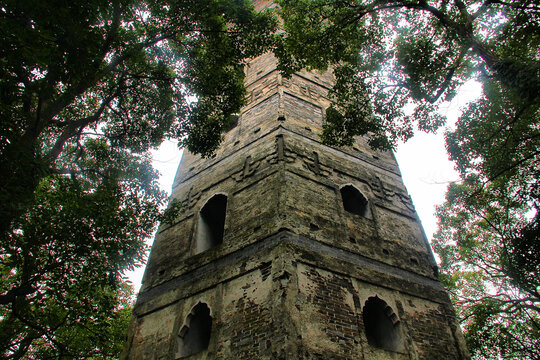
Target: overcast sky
{"points": [[423, 161]]}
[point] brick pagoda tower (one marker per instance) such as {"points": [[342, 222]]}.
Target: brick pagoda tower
{"points": [[289, 249]]}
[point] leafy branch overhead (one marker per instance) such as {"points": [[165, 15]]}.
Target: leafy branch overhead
{"points": [[411, 53]]}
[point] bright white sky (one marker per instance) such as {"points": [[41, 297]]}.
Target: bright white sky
{"points": [[423, 161]]}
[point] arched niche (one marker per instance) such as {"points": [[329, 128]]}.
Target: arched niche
{"points": [[211, 223], [381, 325], [194, 335], [354, 201], [232, 122]]}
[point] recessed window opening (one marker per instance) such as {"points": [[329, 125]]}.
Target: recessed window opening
{"points": [[353, 200], [211, 223], [233, 122], [194, 336], [381, 325]]}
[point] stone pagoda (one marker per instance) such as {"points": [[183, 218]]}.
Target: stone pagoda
{"points": [[289, 249]]}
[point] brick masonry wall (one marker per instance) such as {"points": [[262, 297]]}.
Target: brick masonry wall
{"points": [[294, 271]]}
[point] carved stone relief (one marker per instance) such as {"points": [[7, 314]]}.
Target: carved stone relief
{"points": [[385, 193], [249, 168], [315, 167], [303, 87], [191, 199]]}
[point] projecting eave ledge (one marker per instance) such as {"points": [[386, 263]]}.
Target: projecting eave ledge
{"points": [[340, 152], [304, 250]]}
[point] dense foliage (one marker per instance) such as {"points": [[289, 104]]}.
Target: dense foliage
{"points": [[398, 61], [86, 90], [490, 256]]}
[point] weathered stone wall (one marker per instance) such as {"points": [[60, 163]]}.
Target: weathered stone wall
{"points": [[295, 270]]}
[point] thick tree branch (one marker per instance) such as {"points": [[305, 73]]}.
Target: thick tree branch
{"points": [[73, 127], [51, 109]]}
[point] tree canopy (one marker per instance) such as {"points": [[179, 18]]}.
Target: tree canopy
{"points": [[490, 258]]}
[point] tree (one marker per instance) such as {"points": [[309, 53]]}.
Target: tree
{"points": [[120, 70], [408, 52], [490, 267], [398, 61], [61, 267], [86, 90]]}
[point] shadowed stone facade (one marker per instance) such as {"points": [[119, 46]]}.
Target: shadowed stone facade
{"points": [[289, 249]]}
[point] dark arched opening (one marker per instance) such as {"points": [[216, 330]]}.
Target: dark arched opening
{"points": [[353, 200], [211, 223], [381, 325], [194, 336]]}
